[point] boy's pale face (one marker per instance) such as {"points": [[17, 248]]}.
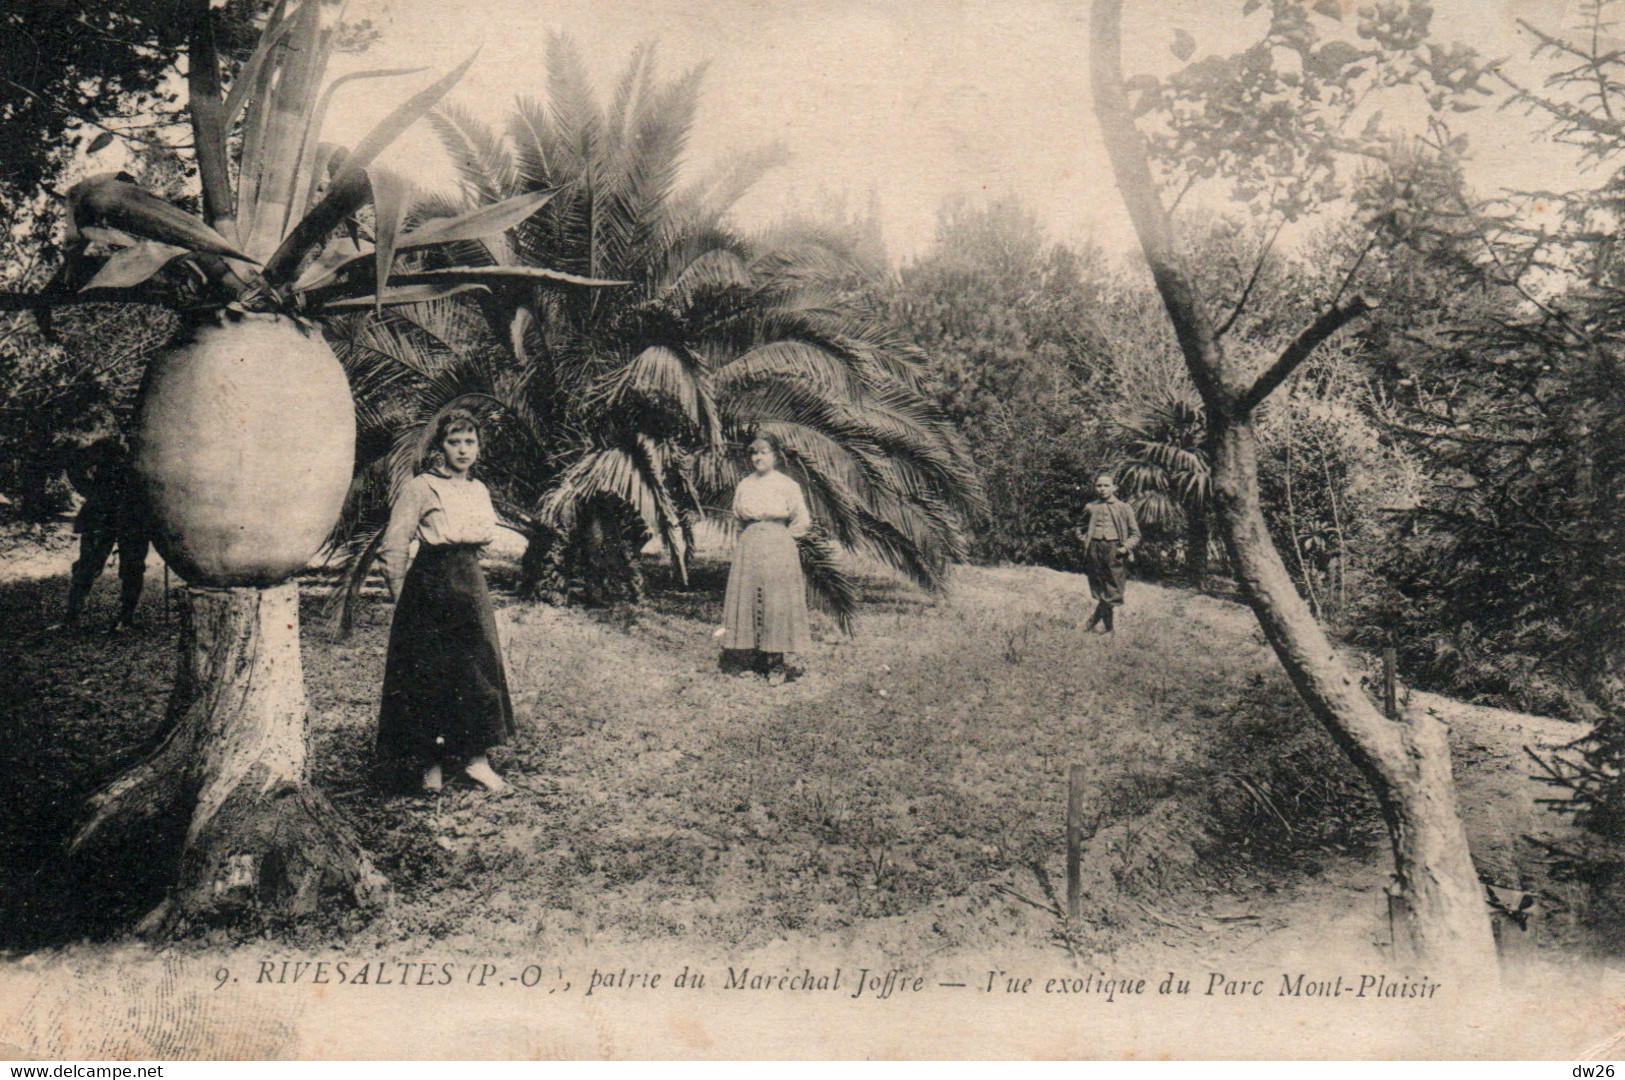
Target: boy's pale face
{"points": [[1106, 488]]}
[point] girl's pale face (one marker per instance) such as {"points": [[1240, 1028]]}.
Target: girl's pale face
{"points": [[762, 458], [462, 449]]}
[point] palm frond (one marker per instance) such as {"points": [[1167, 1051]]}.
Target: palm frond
{"points": [[848, 495], [640, 188], [484, 165], [662, 372], [635, 83], [830, 588], [879, 430], [665, 520], [610, 470], [535, 146], [640, 395], [713, 270], [822, 371], [1155, 510], [361, 553], [730, 179]]}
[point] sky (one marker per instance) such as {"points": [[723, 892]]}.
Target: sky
{"points": [[913, 101]]}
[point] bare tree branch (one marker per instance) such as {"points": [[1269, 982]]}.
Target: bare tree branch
{"points": [[1460, 436], [1303, 346], [1247, 291], [65, 111]]}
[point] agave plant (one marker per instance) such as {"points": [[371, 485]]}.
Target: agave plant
{"points": [[642, 397], [246, 435]]}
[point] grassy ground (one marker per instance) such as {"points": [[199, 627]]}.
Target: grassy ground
{"points": [[907, 797]]}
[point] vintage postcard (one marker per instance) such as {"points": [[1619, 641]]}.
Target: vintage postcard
{"points": [[792, 529]]}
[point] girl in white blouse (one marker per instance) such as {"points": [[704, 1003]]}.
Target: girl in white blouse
{"points": [[765, 611], [445, 695]]}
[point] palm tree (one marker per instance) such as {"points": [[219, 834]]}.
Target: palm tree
{"points": [[1167, 472], [633, 404]]}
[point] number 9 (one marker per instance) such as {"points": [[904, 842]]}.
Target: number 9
{"points": [[222, 976]]}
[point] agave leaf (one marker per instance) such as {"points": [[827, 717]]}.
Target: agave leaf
{"points": [[475, 225], [308, 175], [404, 116], [252, 154], [478, 224], [133, 265], [111, 237], [348, 193], [338, 257], [410, 294], [270, 37], [209, 130], [500, 275], [321, 271], [329, 157], [108, 201], [390, 194], [350, 190], [291, 104]]}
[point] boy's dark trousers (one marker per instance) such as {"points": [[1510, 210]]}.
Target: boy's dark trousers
{"points": [[1103, 564]]}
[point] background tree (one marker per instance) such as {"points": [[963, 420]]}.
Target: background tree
{"points": [[79, 75], [62, 391], [1285, 157], [84, 85], [1004, 317], [1506, 579], [104, 75], [1161, 434]]}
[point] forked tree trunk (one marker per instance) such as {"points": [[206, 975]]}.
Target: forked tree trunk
{"points": [[259, 840], [1441, 904]]}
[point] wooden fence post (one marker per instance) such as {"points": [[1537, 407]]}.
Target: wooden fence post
{"points": [[1074, 842], [1390, 701]]}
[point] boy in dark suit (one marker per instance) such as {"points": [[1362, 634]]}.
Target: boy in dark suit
{"points": [[1110, 536]]}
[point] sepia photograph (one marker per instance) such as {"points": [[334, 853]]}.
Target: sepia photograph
{"points": [[812, 529]]}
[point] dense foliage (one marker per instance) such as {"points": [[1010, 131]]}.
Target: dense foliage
{"points": [[628, 409], [1003, 317], [1059, 365]]}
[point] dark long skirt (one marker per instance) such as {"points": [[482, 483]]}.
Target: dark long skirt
{"points": [[445, 691], [765, 608]]}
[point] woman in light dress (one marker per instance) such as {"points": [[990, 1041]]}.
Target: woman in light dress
{"points": [[445, 700], [764, 613]]}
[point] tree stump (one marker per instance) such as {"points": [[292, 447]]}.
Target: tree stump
{"points": [[248, 836]]}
